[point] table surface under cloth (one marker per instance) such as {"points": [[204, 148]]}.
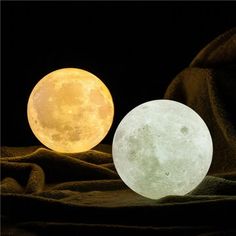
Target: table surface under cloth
{"points": [[47, 193]]}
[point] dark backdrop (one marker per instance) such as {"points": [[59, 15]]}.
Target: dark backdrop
{"points": [[135, 48]]}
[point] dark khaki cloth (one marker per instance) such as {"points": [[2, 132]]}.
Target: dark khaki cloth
{"points": [[208, 86]]}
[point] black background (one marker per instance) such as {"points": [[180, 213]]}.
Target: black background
{"points": [[135, 48]]}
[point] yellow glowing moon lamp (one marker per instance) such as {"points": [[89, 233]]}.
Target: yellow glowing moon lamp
{"points": [[70, 110]]}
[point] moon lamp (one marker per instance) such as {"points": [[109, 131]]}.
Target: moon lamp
{"points": [[161, 148], [70, 110]]}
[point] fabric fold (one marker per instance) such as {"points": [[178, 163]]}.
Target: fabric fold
{"points": [[208, 86]]}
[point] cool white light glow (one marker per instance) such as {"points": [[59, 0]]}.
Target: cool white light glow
{"points": [[70, 110], [161, 148]]}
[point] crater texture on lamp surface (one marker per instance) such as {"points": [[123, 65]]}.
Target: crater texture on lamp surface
{"points": [[161, 148], [70, 110]]}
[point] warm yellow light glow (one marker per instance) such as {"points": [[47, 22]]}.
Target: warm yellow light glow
{"points": [[70, 110]]}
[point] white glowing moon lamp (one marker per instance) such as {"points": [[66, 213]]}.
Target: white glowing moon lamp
{"points": [[162, 148]]}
